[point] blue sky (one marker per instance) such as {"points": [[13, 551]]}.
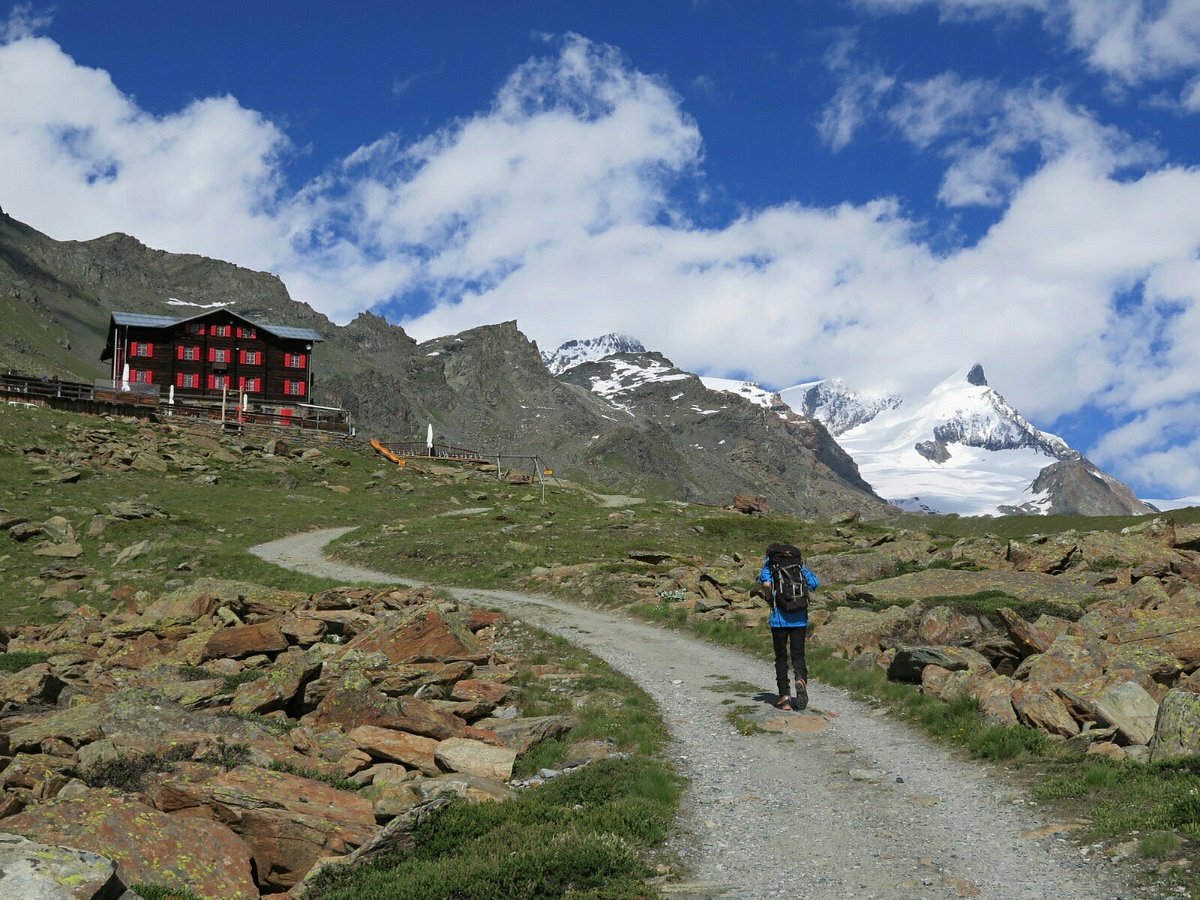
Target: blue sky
{"points": [[879, 190]]}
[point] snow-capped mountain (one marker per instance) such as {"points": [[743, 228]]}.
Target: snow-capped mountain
{"points": [[962, 449], [836, 406], [574, 353]]}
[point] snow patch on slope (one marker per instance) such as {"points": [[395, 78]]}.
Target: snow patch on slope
{"points": [[747, 390], [574, 353]]}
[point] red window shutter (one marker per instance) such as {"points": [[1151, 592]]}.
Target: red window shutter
{"points": [[303, 360], [133, 348], [242, 357], [149, 349], [301, 386], [149, 376], [212, 353], [179, 351], [287, 386]]}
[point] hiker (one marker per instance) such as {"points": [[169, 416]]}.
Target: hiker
{"points": [[786, 583]]}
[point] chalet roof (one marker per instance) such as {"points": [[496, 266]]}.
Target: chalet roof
{"points": [[145, 320]]}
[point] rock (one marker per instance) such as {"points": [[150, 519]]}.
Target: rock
{"points": [[59, 551], [473, 757], [1177, 728], [908, 662], [387, 744], [476, 689], [472, 788], [1029, 638], [951, 583], [132, 552], [944, 626], [520, 734], [1039, 707], [137, 509], [426, 637], [853, 631], [1131, 709], [289, 822], [33, 684], [351, 708], [245, 640], [59, 529], [652, 557], [1107, 750], [390, 799], [281, 689], [173, 610], [750, 504], [148, 846], [23, 531], [33, 871]]}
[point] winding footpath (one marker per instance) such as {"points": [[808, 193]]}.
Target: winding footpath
{"points": [[781, 815]]}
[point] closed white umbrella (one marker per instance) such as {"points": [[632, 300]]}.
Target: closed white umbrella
{"points": [[429, 439], [125, 377]]}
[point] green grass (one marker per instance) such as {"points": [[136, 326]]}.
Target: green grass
{"points": [[21, 659], [163, 892], [128, 773], [582, 834], [337, 781]]}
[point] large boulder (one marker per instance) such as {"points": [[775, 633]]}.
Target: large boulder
{"points": [[908, 662], [45, 872], [853, 631], [1177, 728], [428, 636], [389, 745], [148, 846], [472, 757], [1040, 707], [245, 640], [364, 705], [281, 688], [1130, 709], [288, 821]]}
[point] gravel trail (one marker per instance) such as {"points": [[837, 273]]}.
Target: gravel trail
{"points": [[779, 815]]}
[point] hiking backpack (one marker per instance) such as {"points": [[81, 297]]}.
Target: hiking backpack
{"points": [[789, 582]]}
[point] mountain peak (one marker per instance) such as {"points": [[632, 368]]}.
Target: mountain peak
{"points": [[976, 376], [574, 353]]}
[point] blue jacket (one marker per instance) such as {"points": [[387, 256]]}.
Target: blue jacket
{"points": [[779, 618]]}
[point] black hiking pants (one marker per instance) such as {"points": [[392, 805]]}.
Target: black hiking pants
{"points": [[782, 638]]}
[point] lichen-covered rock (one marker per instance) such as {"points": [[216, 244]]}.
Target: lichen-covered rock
{"points": [[389, 745], [148, 846], [426, 637], [1177, 728], [46, 872], [282, 686], [351, 707], [1130, 709], [1039, 707], [472, 757], [289, 822], [245, 640]]}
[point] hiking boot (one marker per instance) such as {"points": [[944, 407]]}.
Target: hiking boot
{"points": [[800, 701]]}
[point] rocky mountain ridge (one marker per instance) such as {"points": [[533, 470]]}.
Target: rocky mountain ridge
{"points": [[487, 389]]}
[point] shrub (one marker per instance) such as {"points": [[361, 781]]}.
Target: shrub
{"points": [[21, 659]]}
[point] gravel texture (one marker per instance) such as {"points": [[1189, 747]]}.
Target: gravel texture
{"points": [[862, 807]]}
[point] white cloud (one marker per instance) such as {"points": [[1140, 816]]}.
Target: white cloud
{"points": [[1133, 41], [861, 90], [555, 206]]}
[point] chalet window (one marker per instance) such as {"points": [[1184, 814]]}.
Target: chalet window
{"points": [[295, 360], [250, 357], [219, 356], [187, 380], [141, 376], [218, 382], [194, 328], [188, 352], [250, 385], [220, 330], [293, 388], [247, 332], [141, 348]]}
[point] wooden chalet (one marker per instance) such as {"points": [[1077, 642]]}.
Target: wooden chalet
{"points": [[205, 355]]}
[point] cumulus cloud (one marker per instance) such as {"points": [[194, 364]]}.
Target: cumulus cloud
{"points": [[1133, 41], [861, 90], [558, 205]]}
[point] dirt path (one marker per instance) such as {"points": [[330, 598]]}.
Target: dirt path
{"points": [[865, 808]]}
